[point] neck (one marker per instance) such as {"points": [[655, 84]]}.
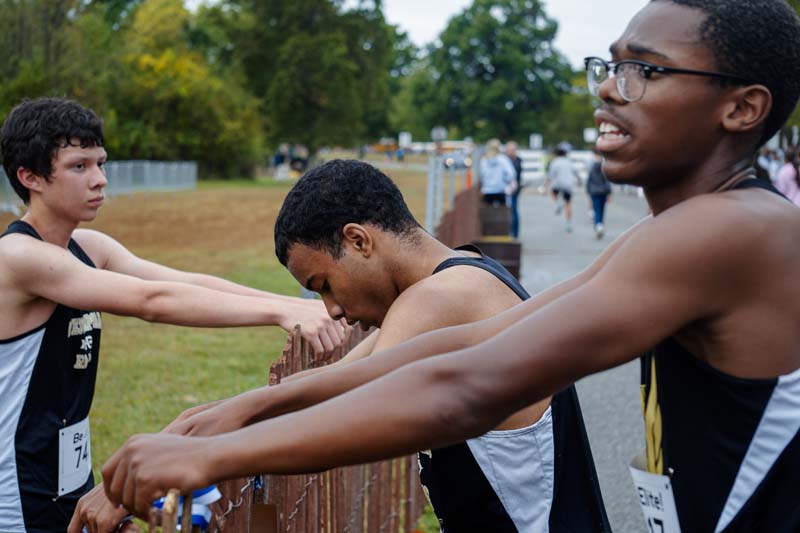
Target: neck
{"points": [[49, 228], [417, 261], [709, 178]]}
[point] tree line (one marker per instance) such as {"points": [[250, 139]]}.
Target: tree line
{"points": [[225, 83]]}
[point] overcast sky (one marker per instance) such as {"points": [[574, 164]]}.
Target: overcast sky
{"points": [[586, 27]]}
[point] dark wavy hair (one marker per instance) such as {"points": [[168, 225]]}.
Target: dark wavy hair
{"points": [[35, 130], [758, 40], [335, 194]]}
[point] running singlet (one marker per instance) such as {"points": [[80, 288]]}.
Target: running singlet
{"points": [[47, 378], [535, 479], [730, 445]]}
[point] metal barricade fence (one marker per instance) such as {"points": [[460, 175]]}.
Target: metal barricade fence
{"points": [[9, 201], [125, 177], [440, 177]]}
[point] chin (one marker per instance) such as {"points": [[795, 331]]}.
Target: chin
{"points": [[621, 173]]}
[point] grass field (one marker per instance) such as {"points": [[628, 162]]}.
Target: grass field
{"points": [[149, 373]]}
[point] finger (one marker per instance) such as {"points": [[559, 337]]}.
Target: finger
{"points": [[341, 332], [75, 523], [113, 477], [327, 343], [316, 345], [129, 491]]}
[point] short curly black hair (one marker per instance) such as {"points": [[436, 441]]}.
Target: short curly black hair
{"points": [[335, 194], [757, 40], [35, 130]]}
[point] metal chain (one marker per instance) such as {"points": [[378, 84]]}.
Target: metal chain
{"points": [[232, 506], [300, 500], [359, 499]]}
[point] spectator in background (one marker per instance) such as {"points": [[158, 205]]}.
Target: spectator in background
{"points": [[516, 187], [761, 165], [561, 177], [497, 174], [599, 189], [775, 164], [401, 155], [786, 181]]}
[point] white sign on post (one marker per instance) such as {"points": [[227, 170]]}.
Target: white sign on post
{"points": [[535, 141], [655, 496], [589, 135]]}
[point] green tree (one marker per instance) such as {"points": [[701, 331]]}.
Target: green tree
{"points": [[172, 105], [320, 70], [34, 40], [496, 70]]}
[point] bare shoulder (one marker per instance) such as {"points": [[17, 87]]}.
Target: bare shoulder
{"points": [[18, 250], [740, 224], [711, 242], [24, 260], [456, 295], [96, 244]]}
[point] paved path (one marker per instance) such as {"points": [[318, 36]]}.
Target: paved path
{"points": [[610, 400]]}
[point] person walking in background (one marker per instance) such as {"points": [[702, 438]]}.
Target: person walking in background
{"points": [[599, 189], [497, 174], [561, 176], [516, 187], [786, 180]]}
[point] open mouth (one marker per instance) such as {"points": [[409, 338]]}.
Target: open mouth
{"points": [[611, 137]]}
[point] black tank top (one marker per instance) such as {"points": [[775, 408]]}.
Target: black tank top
{"points": [[47, 379], [462, 496], [730, 445]]}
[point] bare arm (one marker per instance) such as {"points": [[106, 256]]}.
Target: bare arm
{"points": [[318, 328], [42, 270]]}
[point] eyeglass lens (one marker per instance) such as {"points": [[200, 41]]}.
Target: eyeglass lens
{"points": [[630, 79]]}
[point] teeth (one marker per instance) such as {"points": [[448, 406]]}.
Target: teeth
{"points": [[605, 127]]}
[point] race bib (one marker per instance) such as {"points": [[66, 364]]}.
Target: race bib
{"points": [[74, 457], [654, 493]]}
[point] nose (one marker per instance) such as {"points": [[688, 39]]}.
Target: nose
{"points": [[334, 309], [608, 92], [100, 179]]}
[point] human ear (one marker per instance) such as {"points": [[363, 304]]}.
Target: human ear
{"points": [[29, 179], [358, 238], [748, 109]]}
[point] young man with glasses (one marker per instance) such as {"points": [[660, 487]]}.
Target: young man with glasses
{"points": [[706, 288]]}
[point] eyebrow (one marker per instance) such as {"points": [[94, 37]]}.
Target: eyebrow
{"points": [[81, 157], [638, 49], [308, 282]]}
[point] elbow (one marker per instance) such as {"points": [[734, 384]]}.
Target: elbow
{"points": [[149, 305], [462, 408]]}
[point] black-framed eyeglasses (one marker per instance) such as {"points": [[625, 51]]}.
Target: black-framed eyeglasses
{"points": [[632, 75]]}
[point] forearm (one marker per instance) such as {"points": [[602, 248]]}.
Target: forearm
{"points": [[221, 284], [189, 305], [284, 446]]}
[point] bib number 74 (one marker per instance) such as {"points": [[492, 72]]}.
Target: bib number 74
{"points": [[74, 457]]}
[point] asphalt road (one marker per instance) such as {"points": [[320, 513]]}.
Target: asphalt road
{"points": [[610, 400]]}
